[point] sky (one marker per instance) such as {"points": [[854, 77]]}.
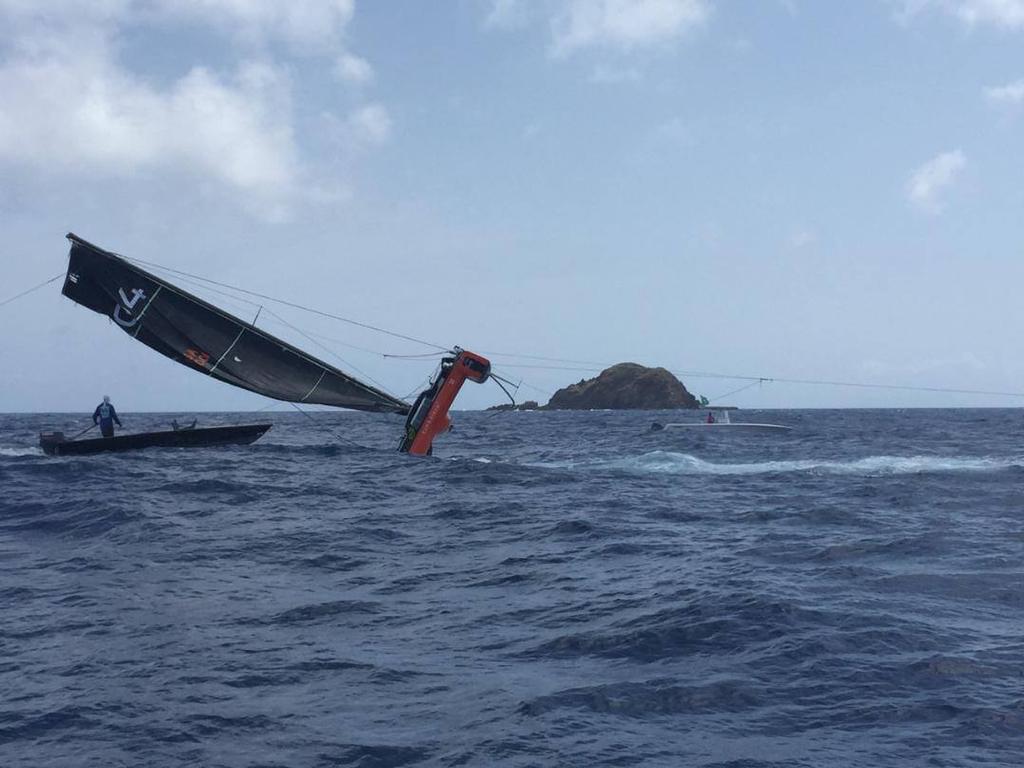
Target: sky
{"points": [[783, 189]]}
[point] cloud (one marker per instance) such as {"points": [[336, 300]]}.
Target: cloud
{"points": [[623, 24], [802, 238], [352, 69], [507, 14], [370, 124], [1009, 94], [1006, 14], [75, 109], [931, 179], [71, 106], [308, 25], [1002, 13]]}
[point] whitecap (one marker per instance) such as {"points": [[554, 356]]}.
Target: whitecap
{"points": [[21, 451], [668, 462]]}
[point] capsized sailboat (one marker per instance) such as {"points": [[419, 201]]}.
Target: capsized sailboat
{"points": [[208, 340]]}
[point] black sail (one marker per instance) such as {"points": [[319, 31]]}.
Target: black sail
{"points": [[202, 337]]}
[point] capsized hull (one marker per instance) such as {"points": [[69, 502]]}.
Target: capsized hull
{"points": [[54, 444]]}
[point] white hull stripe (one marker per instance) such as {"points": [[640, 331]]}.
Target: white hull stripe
{"points": [[221, 358], [138, 323], [324, 373]]}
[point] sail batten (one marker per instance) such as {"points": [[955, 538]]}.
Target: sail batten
{"points": [[201, 336]]}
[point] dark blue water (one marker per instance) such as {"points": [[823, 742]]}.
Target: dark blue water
{"points": [[552, 589]]}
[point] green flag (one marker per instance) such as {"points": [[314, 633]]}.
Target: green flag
{"points": [[704, 401]]}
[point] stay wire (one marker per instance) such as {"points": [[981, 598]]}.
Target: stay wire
{"points": [[807, 382], [307, 335], [499, 381], [330, 351], [333, 432], [200, 283], [31, 290], [294, 305], [737, 391], [444, 348]]}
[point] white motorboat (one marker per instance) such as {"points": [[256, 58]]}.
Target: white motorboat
{"points": [[719, 421]]}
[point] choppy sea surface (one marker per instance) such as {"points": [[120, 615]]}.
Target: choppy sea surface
{"points": [[550, 589]]}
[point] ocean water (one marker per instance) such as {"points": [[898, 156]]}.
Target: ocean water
{"points": [[550, 589]]}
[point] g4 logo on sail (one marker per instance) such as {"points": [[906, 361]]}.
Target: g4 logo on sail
{"points": [[128, 305]]}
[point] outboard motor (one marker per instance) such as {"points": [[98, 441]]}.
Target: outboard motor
{"points": [[429, 415]]}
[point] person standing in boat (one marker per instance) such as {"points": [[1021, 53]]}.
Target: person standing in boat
{"points": [[105, 416]]}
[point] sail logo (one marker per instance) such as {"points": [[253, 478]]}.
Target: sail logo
{"points": [[128, 305], [201, 359]]}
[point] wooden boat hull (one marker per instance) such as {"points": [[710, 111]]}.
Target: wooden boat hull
{"points": [[54, 443]]}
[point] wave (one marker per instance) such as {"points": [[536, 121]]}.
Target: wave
{"points": [[21, 451], [668, 462]]}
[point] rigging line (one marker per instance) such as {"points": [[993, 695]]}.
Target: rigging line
{"points": [[546, 392], [419, 388], [498, 380], [260, 309], [860, 385], [332, 432], [941, 390], [30, 290], [289, 304], [737, 391], [547, 359], [507, 381], [417, 357], [296, 329], [811, 382], [264, 334], [236, 300], [549, 367], [332, 352], [374, 352]]}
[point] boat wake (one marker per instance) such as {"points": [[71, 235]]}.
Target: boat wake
{"points": [[20, 451], [668, 462]]}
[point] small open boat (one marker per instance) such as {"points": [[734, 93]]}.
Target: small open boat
{"points": [[55, 444]]}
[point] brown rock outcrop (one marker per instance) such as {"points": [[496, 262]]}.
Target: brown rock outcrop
{"points": [[626, 386]]}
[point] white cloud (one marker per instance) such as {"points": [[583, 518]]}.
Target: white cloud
{"points": [[306, 24], [1003, 13], [931, 179], [74, 109], [318, 23], [1007, 14], [370, 124], [352, 69], [802, 238], [507, 14], [624, 24], [1011, 93], [71, 106]]}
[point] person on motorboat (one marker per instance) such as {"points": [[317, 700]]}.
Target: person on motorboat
{"points": [[711, 417], [105, 416]]}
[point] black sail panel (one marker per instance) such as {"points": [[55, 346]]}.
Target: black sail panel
{"points": [[205, 338]]}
